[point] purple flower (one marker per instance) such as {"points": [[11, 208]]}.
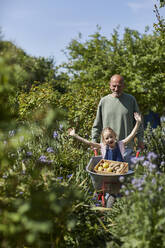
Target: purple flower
{"points": [[42, 159], [141, 158], [162, 163], [50, 149], [55, 134], [29, 154], [60, 178], [68, 176], [152, 167], [61, 127], [97, 204], [151, 156], [138, 183], [146, 163], [121, 179], [127, 192], [134, 160]]}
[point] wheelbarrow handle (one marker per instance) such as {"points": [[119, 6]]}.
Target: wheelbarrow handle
{"points": [[137, 153], [95, 151]]}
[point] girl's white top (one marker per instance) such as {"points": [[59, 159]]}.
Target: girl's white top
{"points": [[121, 147]]}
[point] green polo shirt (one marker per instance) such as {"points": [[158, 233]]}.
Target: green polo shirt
{"points": [[118, 114]]}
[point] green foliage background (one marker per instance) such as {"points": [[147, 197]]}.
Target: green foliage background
{"points": [[46, 197]]}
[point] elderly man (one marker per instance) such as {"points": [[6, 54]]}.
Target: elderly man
{"points": [[116, 110]]}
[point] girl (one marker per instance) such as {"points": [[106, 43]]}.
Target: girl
{"points": [[111, 149]]}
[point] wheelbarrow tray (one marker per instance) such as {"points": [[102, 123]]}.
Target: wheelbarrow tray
{"points": [[108, 183]]}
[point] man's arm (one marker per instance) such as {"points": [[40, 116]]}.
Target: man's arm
{"points": [[97, 125]]}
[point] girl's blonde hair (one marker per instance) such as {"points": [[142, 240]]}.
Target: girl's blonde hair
{"points": [[110, 130]]}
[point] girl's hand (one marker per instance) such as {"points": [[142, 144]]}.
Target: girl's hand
{"points": [[137, 117], [71, 131]]}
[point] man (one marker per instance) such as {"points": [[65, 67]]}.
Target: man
{"points": [[116, 111]]}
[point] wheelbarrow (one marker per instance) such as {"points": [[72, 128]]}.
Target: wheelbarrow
{"points": [[108, 186]]}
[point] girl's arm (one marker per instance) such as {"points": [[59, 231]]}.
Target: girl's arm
{"points": [[138, 119], [72, 133]]}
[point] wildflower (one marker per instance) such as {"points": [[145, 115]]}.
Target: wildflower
{"points": [[141, 158], [55, 134], [29, 154], [42, 159], [138, 182], [134, 160], [121, 179], [68, 176], [162, 163], [97, 204], [50, 149], [127, 192], [59, 178], [61, 127], [151, 156], [152, 167], [146, 163]]}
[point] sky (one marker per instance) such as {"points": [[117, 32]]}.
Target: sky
{"points": [[46, 27]]}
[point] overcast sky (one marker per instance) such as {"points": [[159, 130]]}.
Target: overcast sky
{"points": [[45, 27]]}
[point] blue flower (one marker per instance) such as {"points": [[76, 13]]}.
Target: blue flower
{"points": [[146, 163], [97, 204], [59, 178], [134, 160], [138, 182], [50, 149], [29, 154], [151, 156], [152, 167], [121, 179], [61, 127], [162, 163], [127, 192], [42, 159], [68, 176], [55, 134]]}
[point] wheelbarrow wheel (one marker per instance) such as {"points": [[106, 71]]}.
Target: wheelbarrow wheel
{"points": [[110, 201]]}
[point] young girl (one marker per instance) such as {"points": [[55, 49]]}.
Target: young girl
{"points": [[111, 149]]}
